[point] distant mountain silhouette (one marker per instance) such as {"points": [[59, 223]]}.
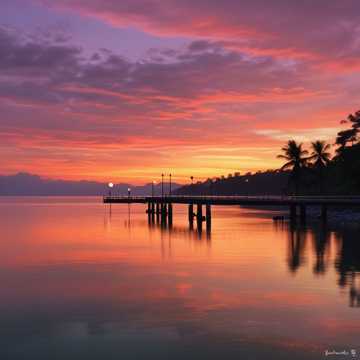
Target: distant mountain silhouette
{"points": [[28, 184]]}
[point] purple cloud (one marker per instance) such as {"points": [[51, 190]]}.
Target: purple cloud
{"points": [[324, 30]]}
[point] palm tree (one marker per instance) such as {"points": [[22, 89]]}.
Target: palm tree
{"points": [[321, 158], [294, 154], [320, 154]]}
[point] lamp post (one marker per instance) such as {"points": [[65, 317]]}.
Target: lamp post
{"points": [[162, 185], [170, 185], [129, 192], [110, 185]]}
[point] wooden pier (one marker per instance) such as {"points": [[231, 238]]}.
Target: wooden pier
{"points": [[161, 207]]}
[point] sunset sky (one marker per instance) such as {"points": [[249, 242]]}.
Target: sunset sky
{"points": [[128, 89]]}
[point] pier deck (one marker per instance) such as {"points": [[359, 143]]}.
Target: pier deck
{"points": [[161, 207], [336, 201]]}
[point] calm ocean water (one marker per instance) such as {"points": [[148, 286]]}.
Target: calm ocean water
{"points": [[79, 282]]}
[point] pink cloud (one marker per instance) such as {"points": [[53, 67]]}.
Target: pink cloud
{"points": [[62, 109]]}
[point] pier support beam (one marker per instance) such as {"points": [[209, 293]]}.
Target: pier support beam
{"points": [[170, 214], [208, 216], [148, 212], [199, 215], [152, 211], [302, 214], [191, 215], [324, 213], [292, 212], [157, 212], [163, 212]]}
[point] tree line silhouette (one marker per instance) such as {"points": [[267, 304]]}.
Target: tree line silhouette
{"points": [[321, 173], [313, 171]]}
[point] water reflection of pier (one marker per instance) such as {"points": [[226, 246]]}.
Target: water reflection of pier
{"points": [[191, 232], [324, 241], [168, 232]]}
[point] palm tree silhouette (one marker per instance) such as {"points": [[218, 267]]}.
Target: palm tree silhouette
{"points": [[294, 154], [320, 154], [321, 158]]}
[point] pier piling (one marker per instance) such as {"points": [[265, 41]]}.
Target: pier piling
{"points": [[191, 215], [292, 212], [208, 216], [199, 215], [170, 213], [302, 213], [324, 213]]}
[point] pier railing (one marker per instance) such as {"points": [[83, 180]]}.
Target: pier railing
{"points": [[311, 198]]}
